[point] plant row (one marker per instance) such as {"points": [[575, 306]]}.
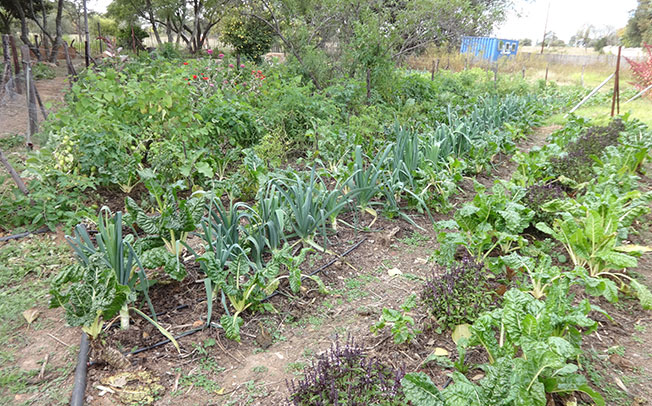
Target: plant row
{"points": [[522, 262], [198, 120], [248, 248]]}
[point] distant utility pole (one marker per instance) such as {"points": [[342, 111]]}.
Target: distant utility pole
{"points": [[545, 29]]}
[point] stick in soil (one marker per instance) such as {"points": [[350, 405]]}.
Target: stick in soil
{"points": [[45, 363], [13, 173], [58, 340]]}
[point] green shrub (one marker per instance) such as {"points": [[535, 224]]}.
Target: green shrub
{"points": [[43, 71]]}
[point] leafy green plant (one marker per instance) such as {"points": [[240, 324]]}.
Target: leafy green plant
{"points": [[116, 253], [488, 222], [367, 180], [104, 282], [43, 71], [171, 222], [400, 321], [311, 206], [592, 243], [530, 345]]}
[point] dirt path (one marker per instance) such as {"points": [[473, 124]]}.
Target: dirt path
{"points": [[13, 115]]}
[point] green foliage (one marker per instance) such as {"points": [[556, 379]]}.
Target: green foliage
{"points": [[401, 323], [43, 71], [106, 276], [168, 50], [89, 293], [131, 37], [531, 357], [488, 222], [249, 36], [173, 219], [420, 390]]}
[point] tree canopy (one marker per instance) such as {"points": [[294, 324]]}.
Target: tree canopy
{"points": [[639, 26]]}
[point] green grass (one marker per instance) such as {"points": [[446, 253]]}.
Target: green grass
{"points": [[640, 109], [600, 113], [26, 267]]}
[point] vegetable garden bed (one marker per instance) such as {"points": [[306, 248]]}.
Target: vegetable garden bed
{"points": [[476, 256]]}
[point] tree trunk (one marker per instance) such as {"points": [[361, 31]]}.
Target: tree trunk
{"points": [[24, 29], [58, 33], [168, 29], [152, 20], [44, 28]]}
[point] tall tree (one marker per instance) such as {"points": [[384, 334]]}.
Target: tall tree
{"points": [[639, 26], [359, 37], [34, 10]]}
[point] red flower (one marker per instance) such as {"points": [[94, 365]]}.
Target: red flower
{"points": [[205, 78], [260, 72], [194, 76], [185, 63]]}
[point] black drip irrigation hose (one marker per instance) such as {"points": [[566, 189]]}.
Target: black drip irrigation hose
{"points": [[79, 387], [41, 230], [326, 265]]}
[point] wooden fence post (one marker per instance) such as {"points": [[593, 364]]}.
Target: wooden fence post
{"points": [[7, 72], [615, 100], [32, 120], [523, 72], [99, 35], [495, 69], [14, 54], [547, 67]]}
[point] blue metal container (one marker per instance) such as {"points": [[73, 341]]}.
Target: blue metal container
{"points": [[489, 48]]}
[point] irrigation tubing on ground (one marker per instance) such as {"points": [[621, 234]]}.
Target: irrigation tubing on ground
{"points": [[80, 380], [326, 265], [193, 331], [41, 230], [79, 385]]}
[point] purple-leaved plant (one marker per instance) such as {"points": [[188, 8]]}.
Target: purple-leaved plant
{"points": [[345, 376], [459, 295], [577, 163]]}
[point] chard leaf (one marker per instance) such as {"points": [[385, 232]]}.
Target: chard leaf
{"points": [[231, 326], [643, 294], [617, 260], [420, 390], [464, 393], [572, 383]]}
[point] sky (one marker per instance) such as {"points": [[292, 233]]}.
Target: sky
{"points": [[566, 16]]}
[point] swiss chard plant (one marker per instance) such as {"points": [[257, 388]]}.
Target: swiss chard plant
{"points": [[169, 224], [491, 222], [593, 244], [531, 346]]}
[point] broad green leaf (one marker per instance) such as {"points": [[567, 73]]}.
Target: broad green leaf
{"points": [[643, 294], [420, 390], [633, 248]]}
